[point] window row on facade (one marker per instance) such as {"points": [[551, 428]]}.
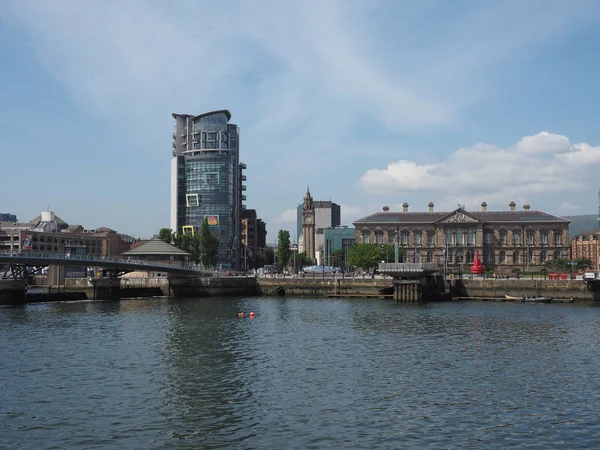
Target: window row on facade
{"points": [[458, 237]]}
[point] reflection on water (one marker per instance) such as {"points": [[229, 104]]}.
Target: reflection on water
{"points": [[304, 373]]}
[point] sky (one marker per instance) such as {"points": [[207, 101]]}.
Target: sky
{"points": [[368, 103]]}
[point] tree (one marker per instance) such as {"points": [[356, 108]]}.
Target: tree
{"points": [[256, 261], [558, 265], [302, 260], [166, 234], [190, 244], [364, 256], [283, 248], [583, 263], [208, 246]]}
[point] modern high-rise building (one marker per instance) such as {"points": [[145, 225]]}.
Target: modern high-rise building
{"points": [[207, 180], [8, 217]]}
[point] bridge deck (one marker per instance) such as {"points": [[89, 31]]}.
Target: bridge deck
{"points": [[408, 270], [44, 259]]}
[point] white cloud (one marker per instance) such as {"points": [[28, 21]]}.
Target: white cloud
{"points": [[543, 165], [287, 217], [303, 79], [567, 207]]}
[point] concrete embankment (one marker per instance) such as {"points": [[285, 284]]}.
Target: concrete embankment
{"points": [[325, 287], [498, 288], [335, 287]]}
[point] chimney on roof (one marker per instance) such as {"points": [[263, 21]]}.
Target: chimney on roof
{"points": [[484, 206], [526, 207], [512, 206], [386, 208], [430, 206], [405, 207]]}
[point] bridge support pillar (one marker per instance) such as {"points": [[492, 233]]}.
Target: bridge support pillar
{"points": [[408, 291], [106, 288], [13, 292]]}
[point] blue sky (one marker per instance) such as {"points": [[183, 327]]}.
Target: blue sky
{"points": [[370, 103]]}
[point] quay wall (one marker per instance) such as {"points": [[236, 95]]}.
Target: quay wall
{"points": [[320, 287], [315, 287], [498, 288]]}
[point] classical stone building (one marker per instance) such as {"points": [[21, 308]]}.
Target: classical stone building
{"points": [[507, 241]]}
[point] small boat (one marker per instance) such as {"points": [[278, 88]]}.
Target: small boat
{"points": [[512, 297], [537, 299]]}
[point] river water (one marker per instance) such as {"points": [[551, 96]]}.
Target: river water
{"points": [[303, 373]]}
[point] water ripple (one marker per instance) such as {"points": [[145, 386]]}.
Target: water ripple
{"points": [[304, 373]]}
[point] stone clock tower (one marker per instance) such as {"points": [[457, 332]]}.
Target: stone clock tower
{"points": [[308, 225]]}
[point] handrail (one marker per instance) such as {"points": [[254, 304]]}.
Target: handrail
{"points": [[407, 267], [94, 258]]}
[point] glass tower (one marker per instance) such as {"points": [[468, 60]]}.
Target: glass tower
{"points": [[206, 180]]}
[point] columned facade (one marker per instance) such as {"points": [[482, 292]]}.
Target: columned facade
{"points": [[507, 241]]}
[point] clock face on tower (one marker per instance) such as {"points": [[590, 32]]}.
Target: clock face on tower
{"points": [[308, 219]]}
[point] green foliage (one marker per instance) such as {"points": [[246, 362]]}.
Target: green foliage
{"points": [[189, 244], [364, 256], [302, 260], [166, 235], [283, 248], [208, 246], [558, 265], [583, 263], [256, 261]]}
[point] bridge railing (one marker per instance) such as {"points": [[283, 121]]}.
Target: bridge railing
{"points": [[85, 259], [408, 267]]}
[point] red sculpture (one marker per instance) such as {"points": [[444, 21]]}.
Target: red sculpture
{"points": [[477, 268]]}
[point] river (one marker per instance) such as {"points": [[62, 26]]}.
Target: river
{"points": [[303, 373]]}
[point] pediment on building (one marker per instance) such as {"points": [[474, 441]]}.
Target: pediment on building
{"points": [[458, 216]]}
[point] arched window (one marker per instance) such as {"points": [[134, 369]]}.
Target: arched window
{"points": [[460, 257], [544, 237], [430, 238], [543, 256], [531, 257], [417, 237], [490, 257], [502, 256], [365, 237], [557, 254], [557, 237], [503, 234], [429, 256], [450, 256], [404, 238], [379, 237], [392, 237], [530, 236], [516, 259], [516, 237]]}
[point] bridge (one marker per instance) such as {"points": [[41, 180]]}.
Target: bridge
{"points": [[19, 263], [184, 279], [413, 281]]}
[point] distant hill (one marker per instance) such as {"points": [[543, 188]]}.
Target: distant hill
{"points": [[582, 223]]}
